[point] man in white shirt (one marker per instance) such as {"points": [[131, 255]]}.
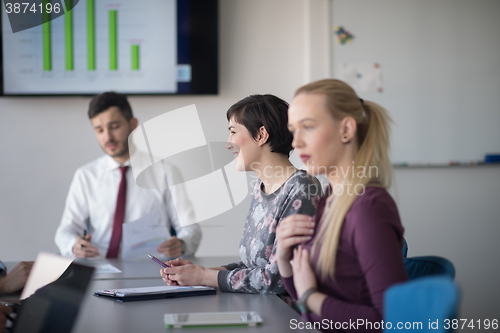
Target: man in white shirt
{"points": [[103, 194]]}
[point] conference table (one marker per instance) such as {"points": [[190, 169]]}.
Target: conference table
{"points": [[101, 314]]}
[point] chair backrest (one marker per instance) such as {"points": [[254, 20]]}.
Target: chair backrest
{"points": [[417, 267], [421, 305], [405, 248]]}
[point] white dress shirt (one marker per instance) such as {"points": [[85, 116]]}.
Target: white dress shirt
{"points": [[93, 194]]}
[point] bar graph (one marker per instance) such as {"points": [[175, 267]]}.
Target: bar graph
{"points": [[68, 32], [47, 42], [91, 40], [135, 57], [123, 45], [90, 35], [113, 41]]}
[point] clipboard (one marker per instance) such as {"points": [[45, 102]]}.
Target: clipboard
{"points": [[146, 293]]}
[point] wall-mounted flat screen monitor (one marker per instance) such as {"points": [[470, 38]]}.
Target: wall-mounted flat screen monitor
{"points": [[164, 47]]}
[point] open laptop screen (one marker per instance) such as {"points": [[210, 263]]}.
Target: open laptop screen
{"points": [[54, 308]]}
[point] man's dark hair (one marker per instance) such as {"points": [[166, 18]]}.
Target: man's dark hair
{"points": [[104, 101], [269, 111]]}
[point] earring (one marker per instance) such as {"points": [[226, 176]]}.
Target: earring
{"points": [[346, 142]]}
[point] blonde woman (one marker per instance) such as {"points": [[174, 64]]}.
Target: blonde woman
{"points": [[341, 274]]}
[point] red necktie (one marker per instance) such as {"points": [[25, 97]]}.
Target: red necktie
{"points": [[114, 244]]}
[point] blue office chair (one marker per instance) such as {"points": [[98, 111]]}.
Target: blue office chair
{"points": [[424, 266], [405, 248], [417, 267], [422, 301]]}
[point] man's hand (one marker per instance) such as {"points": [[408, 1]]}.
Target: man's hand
{"points": [[171, 248], [16, 279], [84, 249]]}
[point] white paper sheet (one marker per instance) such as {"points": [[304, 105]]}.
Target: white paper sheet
{"points": [[147, 290], [106, 269], [143, 236]]}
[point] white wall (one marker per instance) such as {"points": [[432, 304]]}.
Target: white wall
{"points": [[265, 47], [454, 212], [439, 60]]}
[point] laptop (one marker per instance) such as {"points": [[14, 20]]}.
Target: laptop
{"points": [[54, 307]]}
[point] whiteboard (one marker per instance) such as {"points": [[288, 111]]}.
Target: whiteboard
{"points": [[440, 71]]}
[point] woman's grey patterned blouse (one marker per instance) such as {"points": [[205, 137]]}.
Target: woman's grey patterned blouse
{"points": [[257, 272]]}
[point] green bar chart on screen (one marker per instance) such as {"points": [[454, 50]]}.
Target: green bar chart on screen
{"points": [[135, 57], [94, 46], [113, 40], [90, 35], [47, 42], [68, 33]]}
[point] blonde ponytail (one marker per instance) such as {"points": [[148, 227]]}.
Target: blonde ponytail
{"points": [[373, 138]]}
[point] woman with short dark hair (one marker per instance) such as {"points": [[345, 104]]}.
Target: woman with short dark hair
{"points": [[260, 141]]}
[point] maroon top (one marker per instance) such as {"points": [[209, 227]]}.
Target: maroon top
{"points": [[369, 260]]}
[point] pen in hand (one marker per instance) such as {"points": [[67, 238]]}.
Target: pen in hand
{"points": [[158, 261], [84, 235]]}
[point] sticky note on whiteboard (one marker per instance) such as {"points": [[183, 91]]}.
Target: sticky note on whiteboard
{"points": [[365, 78]]}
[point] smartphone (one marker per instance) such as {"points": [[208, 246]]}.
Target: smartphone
{"points": [[200, 319]]}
